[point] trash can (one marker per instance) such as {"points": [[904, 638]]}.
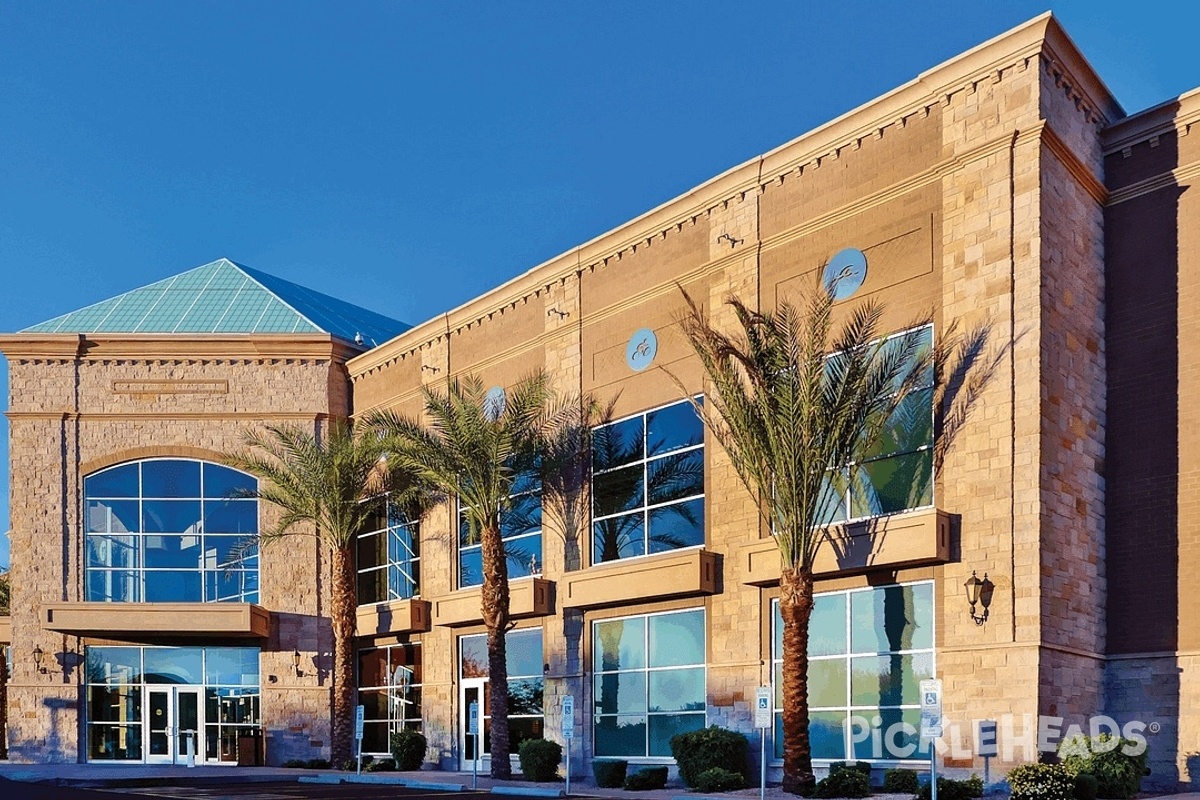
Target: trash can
{"points": [[249, 752]]}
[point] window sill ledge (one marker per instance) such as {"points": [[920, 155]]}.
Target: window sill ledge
{"points": [[527, 597], [141, 621], [684, 573], [393, 617], [916, 538]]}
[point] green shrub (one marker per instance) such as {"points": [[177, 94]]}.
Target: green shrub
{"points": [[348, 765], [382, 765], [950, 789], [609, 772], [539, 759], [900, 781], [647, 778], [295, 763], [859, 766], [1118, 776], [408, 748], [1041, 782], [318, 763], [844, 783], [698, 751], [1086, 786], [716, 779]]}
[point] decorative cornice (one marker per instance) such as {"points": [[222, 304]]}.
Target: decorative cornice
{"points": [[1176, 177], [87, 416], [1041, 40], [1078, 170], [174, 347], [1180, 114]]}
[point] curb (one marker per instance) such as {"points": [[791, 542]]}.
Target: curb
{"points": [[522, 791], [382, 780]]}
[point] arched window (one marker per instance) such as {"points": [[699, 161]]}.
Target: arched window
{"points": [[168, 530]]}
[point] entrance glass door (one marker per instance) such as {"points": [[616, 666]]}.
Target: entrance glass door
{"points": [[473, 690], [174, 718]]}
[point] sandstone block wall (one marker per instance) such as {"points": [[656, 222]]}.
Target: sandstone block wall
{"points": [[98, 403]]}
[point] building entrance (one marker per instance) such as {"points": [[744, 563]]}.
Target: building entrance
{"points": [[174, 724]]}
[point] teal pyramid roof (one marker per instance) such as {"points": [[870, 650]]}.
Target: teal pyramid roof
{"points": [[224, 297]]}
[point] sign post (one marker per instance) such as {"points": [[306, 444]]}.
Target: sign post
{"points": [[987, 746], [568, 731], [473, 730], [763, 718], [359, 715], [931, 725]]}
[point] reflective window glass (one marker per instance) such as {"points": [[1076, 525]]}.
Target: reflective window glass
{"points": [[231, 666], [619, 644], [168, 478], [869, 649], [112, 516], [223, 482], [171, 516], [174, 665], [896, 473], [618, 443], [649, 681], [619, 537], [173, 586], [677, 639], [675, 526], [524, 652], [648, 494], [672, 428], [520, 529], [893, 618], [231, 516], [173, 552], [119, 481], [161, 529], [620, 693], [114, 665]]}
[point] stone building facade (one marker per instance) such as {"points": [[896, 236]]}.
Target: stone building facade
{"points": [[1004, 190]]}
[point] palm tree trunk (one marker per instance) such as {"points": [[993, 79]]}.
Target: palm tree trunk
{"points": [[496, 618], [342, 612], [795, 607]]}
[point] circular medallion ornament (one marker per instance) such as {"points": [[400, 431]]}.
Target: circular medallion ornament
{"points": [[493, 402], [642, 348], [845, 273]]}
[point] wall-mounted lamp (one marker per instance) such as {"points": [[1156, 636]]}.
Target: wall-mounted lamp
{"points": [[725, 237], [979, 592], [296, 664], [552, 311], [38, 656]]}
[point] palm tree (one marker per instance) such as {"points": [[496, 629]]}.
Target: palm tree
{"points": [[333, 483], [796, 406], [481, 448]]}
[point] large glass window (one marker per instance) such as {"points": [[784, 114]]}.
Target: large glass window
{"points": [[168, 530], [649, 682], [520, 529], [118, 679], [648, 483], [526, 684], [868, 651], [897, 474], [389, 682], [389, 557]]}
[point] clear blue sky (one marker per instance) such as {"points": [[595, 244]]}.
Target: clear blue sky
{"points": [[407, 156]]}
